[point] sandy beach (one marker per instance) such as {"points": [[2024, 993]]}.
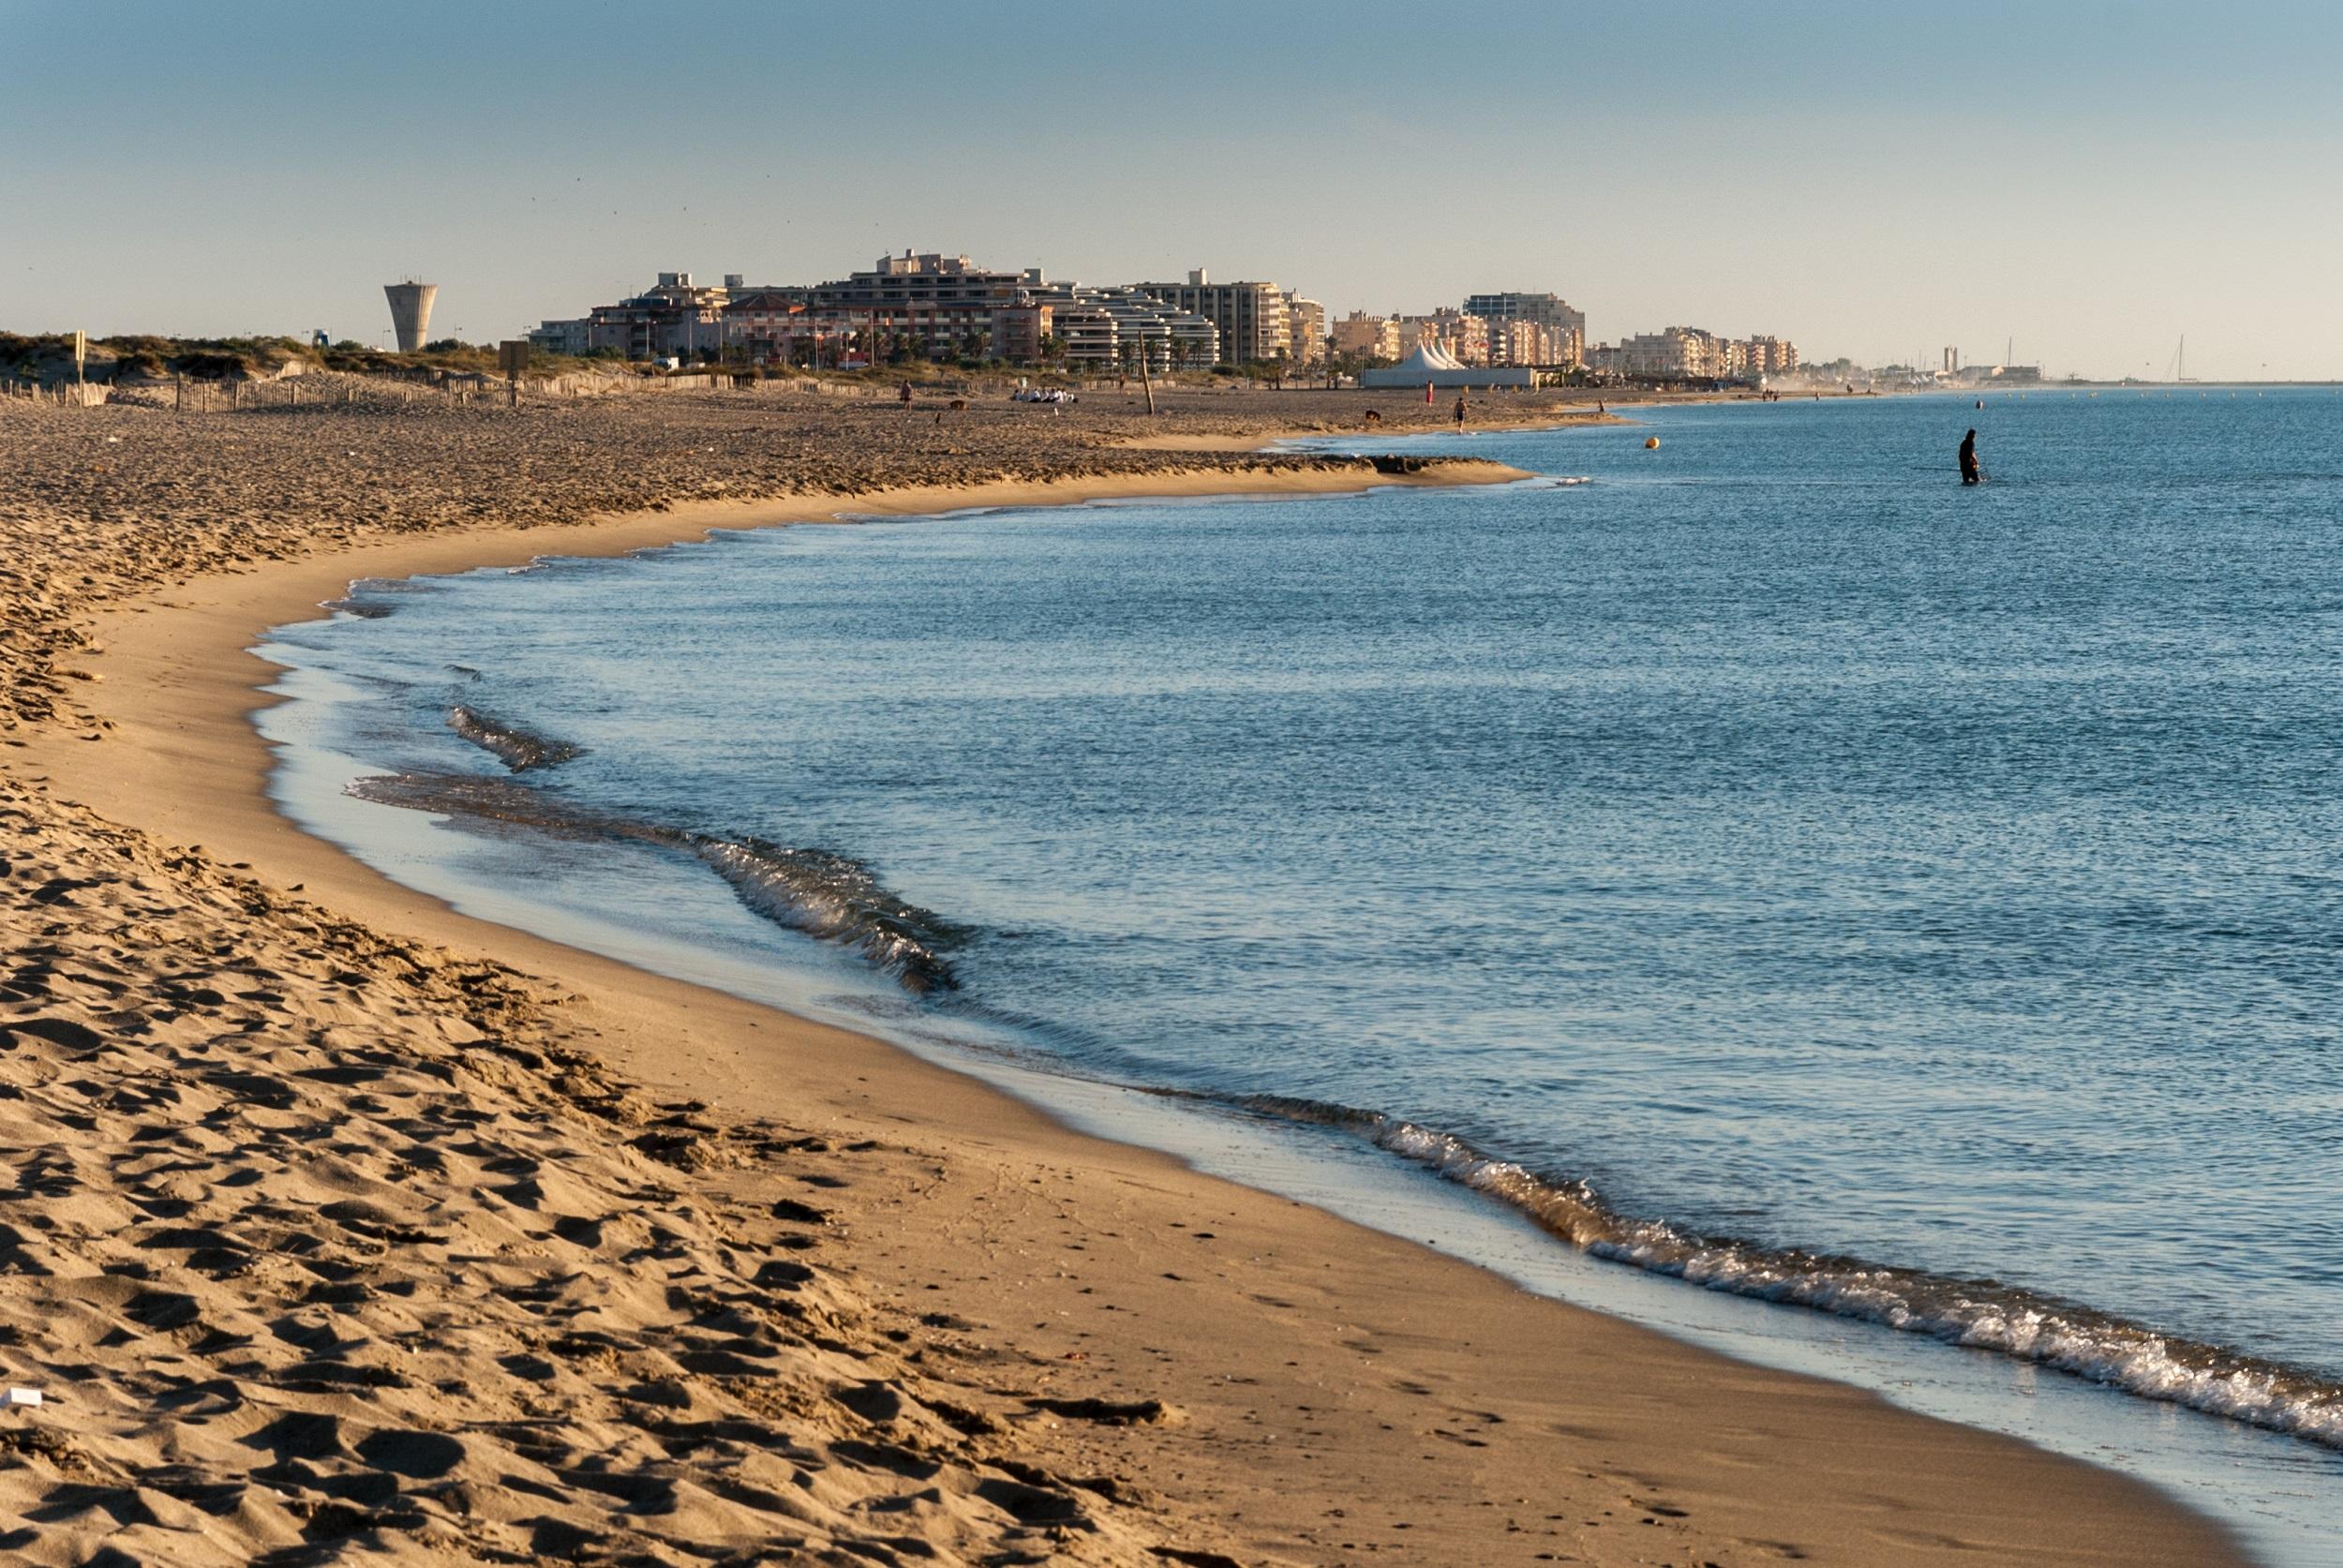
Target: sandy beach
{"points": [[344, 1225]]}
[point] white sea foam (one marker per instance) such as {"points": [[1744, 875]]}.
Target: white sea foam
{"points": [[1976, 1314]]}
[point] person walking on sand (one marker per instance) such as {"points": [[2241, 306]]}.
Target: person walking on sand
{"points": [[1461, 411], [1969, 473], [905, 396]]}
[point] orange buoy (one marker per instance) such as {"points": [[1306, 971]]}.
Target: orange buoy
{"points": [[1652, 443]]}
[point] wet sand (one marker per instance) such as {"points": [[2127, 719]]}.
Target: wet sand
{"points": [[343, 1223]]}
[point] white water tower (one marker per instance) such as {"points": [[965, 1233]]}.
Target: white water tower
{"points": [[411, 312]]}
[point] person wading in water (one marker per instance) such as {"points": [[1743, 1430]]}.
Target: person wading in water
{"points": [[1461, 411], [1969, 474]]}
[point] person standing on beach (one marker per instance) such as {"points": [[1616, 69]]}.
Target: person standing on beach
{"points": [[1461, 411], [1969, 473], [904, 395]]}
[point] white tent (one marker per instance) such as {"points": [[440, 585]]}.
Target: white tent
{"points": [[1435, 366]]}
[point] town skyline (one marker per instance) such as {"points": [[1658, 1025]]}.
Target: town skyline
{"points": [[946, 307], [1858, 182]]}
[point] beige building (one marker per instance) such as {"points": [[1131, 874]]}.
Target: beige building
{"points": [[1306, 323], [1254, 320], [1018, 331], [1689, 353], [1771, 357], [1368, 337], [1523, 342], [1566, 328]]}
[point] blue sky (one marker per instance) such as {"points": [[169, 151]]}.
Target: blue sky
{"points": [[2092, 179]]}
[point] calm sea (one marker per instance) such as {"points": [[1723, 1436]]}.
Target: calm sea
{"points": [[1764, 863]]}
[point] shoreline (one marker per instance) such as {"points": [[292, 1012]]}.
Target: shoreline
{"points": [[179, 687]]}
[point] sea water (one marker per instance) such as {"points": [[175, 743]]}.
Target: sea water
{"points": [[1757, 861]]}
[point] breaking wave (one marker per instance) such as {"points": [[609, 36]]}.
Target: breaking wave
{"points": [[1979, 1314], [837, 900], [826, 896], [371, 598], [518, 748]]}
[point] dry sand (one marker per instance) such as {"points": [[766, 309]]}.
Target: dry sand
{"points": [[343, 1225]]}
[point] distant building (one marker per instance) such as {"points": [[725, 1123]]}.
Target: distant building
{"points": [[1172, 338], [1254, 321], [938, 305], [1306, 323], [1692, 354], [559, 338], [769, 325], [1978, 375], [1771, 357], [1086, 333], [933, 305], [1365, 337], [1520, 342], [1020, 330], [673, 317], [1566, 342], [1106, 329]]}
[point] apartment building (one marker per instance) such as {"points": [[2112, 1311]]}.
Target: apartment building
{"points": [[566, 337], [1690, 354], [1771, 357], [1567, 327], [1306, 323], [943, 305], [674, 315], [1366, 337], [1254, 320], [1522, 342], [1021, 330], [935, 305], [768, 323], [1112, 328], [939, 305]]}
